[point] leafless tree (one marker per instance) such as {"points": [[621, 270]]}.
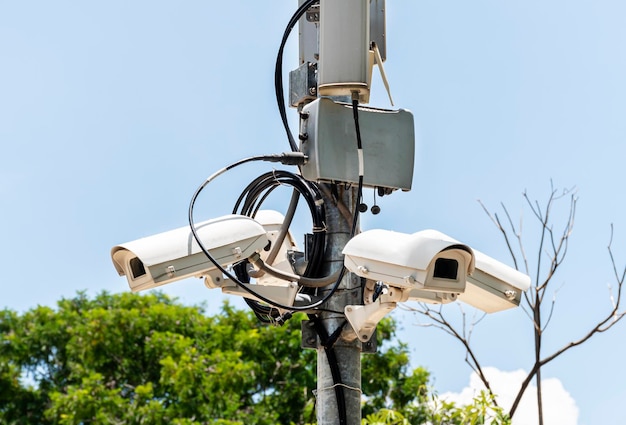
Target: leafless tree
{"points": [[551, 252]]}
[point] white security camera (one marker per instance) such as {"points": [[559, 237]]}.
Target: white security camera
{"points": [[432, 261], [427, 260], [275, 254], [494, 286], [174, 255], [426, 266]]}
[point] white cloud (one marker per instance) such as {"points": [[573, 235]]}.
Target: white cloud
{"points": [[558, 406]]}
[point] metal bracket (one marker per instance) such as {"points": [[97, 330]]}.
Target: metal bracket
{"points": [[313, 14], [303, 85], [311, 340], [364, 318], [284, 294]]}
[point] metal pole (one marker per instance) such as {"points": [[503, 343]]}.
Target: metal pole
{"points": [[338, 359], [347, 348]]}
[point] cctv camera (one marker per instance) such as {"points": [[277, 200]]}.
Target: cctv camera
{"points": [[429, 261], [279, 243], [494, 286], [174, 255], [426, 260]]}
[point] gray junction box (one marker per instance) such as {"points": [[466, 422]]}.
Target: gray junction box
{"points": [[328, 138]]}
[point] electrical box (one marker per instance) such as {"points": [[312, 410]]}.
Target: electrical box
{"points": [[328, 138], [344, 48]]}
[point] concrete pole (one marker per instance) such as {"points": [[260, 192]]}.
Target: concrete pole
{"points": [[347, 348]]}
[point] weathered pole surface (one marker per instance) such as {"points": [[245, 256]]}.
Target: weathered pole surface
{"points": [[347, 348], [338, 396]]}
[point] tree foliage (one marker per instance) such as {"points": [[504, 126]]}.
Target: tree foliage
{"points": [[131, 359], [147, 359]]}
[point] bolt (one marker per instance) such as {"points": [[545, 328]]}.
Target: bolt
{"points": [[510, 294]]}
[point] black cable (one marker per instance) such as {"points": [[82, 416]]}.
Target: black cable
{"points": [[263, 313], [328, 342], [259, 189], [278, 74], [278, 83], [359, 146], [272, 158], [355, 115], [249, 203]]}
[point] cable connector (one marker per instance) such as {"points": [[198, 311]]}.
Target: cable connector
{"points": [[288, 158], [282, 319]]}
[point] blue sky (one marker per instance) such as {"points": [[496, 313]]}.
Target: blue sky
{"points": [[112, 113]]}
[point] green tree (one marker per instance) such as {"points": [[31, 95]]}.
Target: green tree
{"points": [[147, 359], [131, 359]]}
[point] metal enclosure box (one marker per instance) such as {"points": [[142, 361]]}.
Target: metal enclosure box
{"points": [[378, 29], [328, 138], [344, 44], [302, 85]]}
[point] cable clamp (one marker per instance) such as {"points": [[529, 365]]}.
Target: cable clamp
{"points": [[318, 229], [332, 387], [361, 162]]}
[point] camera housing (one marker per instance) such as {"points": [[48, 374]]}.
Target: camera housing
{"points": [[272, 222], [174, 255], [427, 260], [494, 286], [266, 284], [426, 266]]}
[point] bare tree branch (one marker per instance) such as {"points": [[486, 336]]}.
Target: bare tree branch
{"points": [[462, 335], [496, 221], [552, 250]]}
